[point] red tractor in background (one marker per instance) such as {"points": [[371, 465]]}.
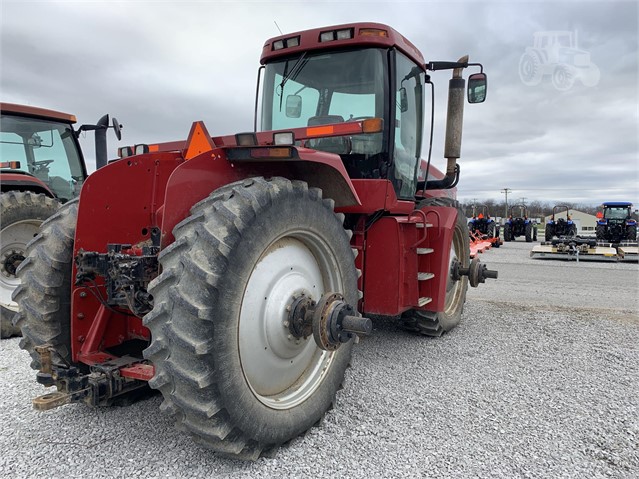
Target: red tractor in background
{"points": [[41, 167], [231, 273]]}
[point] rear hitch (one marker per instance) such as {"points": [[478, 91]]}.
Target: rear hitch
{"points": [[330, 320], [476, 272], [101, 386]]}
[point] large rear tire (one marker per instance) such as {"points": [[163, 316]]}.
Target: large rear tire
{"points": [[44, 294], [549, 233], [435, 324], [508, 232], [528, 229], [21, 214], [228, 368]]}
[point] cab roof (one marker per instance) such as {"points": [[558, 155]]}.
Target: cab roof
{"points": [[363, 34], [36, 112]]}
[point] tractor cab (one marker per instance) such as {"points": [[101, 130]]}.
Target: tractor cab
{"points": [[367, 73], [616, 223], [40, 152]]}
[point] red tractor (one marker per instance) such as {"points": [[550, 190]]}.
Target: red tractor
{"points": [[41, 167], [231, 273]]}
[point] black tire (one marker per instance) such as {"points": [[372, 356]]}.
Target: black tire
{"points": [[572, 230], [528, 232], [430, 323], [507, 232], [549, 233], [600, 232], [21, 214], [44, 294], [491, 230], [631, 233], [211, 335], [534, 233]]}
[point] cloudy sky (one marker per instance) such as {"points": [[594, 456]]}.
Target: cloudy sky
{"points": [[160, 65]]}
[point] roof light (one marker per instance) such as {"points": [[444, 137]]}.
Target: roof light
{"points": [[141, 149], [246, 139], [372, 32], [278, 44], [345, 34], [293, 42], [327, 36], [125, 151], [284, 138]]}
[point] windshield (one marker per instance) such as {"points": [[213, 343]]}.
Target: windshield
{"points": [[44, 149], [617, 213], [335, 87]]}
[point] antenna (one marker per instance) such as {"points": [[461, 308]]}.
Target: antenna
{"points": [[278, 27]]}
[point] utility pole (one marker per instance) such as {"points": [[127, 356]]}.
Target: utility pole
{"points": [[474, 201], [523, 200], [506, 191]]}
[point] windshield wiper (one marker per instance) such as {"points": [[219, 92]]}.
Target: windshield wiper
{"points": [[297, 67]]}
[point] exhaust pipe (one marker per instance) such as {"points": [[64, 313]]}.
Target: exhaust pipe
{"points": [[101, 142], [454, 124]]}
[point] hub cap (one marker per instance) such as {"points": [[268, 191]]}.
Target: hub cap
{"points": [[282, 370], [13, 250]]}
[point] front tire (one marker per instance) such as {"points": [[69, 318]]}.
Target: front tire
{"points": [[229, 370], [431, 323], [21, 214]]}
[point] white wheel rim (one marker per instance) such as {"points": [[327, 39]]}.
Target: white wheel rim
{"points": [[14, 239], [281, 370], [454, 286]]}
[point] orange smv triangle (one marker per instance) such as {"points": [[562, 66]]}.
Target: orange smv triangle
{"points": [[199, 141]]}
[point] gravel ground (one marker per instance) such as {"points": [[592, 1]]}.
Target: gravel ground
{"points": [[541, 379]]}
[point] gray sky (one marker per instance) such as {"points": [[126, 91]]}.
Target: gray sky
{"points": [[160, 65]]}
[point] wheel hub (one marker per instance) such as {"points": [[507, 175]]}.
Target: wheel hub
{"points": [[11, 262], [331, 321]]}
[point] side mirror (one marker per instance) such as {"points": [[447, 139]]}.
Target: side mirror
{"points": [[117, 128], [293, 106], [477, 86], [403, 100]]}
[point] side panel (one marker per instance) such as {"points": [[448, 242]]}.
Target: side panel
{"points": [[390, 271], [405, 263]]}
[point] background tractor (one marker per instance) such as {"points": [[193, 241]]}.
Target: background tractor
{"points": [[615, 223], [519, 225], [555, 53], [484, 226], [560, 227], [41, 167], [231, 273]]}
